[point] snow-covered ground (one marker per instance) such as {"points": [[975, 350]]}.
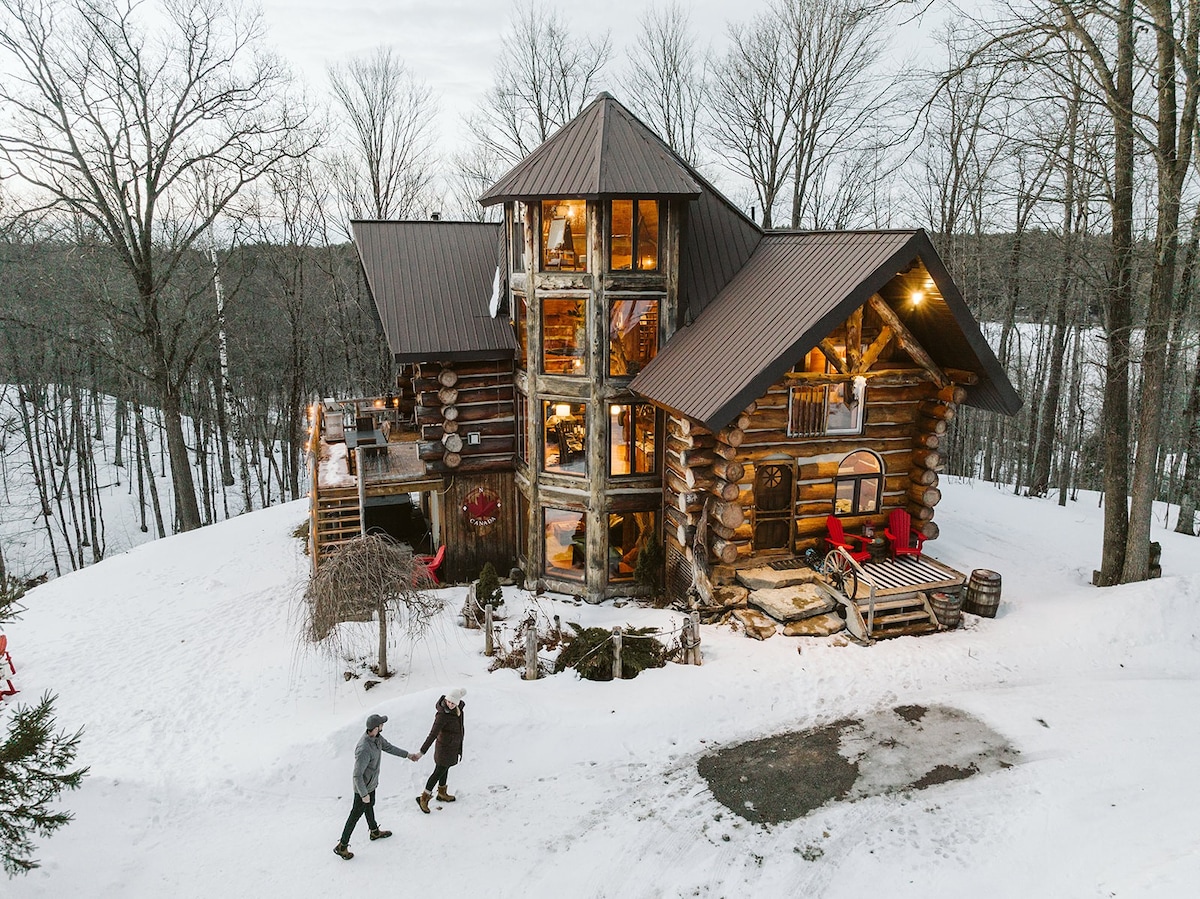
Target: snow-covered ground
{"points": [[221, 748]]}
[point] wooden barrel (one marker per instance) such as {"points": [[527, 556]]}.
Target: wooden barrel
{"points": [[947, 607], [983, 593]]}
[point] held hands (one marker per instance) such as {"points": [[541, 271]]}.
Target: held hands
{"points": [[367, 799], [414, 756]]}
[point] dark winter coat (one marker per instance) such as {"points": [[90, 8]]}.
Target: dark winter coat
{"points": [[448, 731], [367, 756]]}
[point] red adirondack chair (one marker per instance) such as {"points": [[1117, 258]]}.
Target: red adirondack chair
{"points": [[838, 537], [905, 541], [433, 563]]}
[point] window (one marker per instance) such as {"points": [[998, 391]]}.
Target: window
{"points": [[522, 427], [858, 487], [633, 235], [565, 437], [564, 235], [631, 439], [632, 335], [815, 410], [564, 336], [522, 327], [518, 237], [564, 535], [628, 533]]}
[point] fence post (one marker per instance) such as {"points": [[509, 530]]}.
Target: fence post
{"points": [[489, 648], [531, 646], [557, 632], [694, 620], [616, 638]]}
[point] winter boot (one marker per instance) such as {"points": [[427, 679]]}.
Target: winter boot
{"points": [[423, 801], [380, 834], [443, 796], [343, 849]]}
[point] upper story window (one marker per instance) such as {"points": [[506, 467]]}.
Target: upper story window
{"points": [[632, 335], [564, 335], [517, 236], [858, 487], [633, 234], [818, 409], [564, 235]]}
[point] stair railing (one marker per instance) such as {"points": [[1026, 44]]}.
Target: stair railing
{"points": [[870, 581]]}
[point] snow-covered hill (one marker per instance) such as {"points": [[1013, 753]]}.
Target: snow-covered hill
{"points": [[221, 748]]}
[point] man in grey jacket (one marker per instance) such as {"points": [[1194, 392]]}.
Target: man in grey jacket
{"points": [[367, 756]]}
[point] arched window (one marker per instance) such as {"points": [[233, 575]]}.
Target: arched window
{"points": [[859, 484]]}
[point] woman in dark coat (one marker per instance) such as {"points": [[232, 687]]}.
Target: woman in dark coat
{"points": [[448, 732]]}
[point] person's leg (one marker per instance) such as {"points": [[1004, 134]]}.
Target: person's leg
{"points": [[369, 809], [352, 819], [438, 776]]}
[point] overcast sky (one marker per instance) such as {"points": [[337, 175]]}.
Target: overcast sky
{"points": [[452, 44]]}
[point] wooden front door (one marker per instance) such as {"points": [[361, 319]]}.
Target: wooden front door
{"points": [[773, 505]]}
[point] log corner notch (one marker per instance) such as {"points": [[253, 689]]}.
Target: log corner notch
{"points": [[935, 415], [701, 484]]}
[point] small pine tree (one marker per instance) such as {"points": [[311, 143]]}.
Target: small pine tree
{"points": [[648, 570], [34, 765], [488, 589]]}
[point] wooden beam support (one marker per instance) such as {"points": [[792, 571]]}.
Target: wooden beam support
{"points": [[907, 342], [875, 350]]}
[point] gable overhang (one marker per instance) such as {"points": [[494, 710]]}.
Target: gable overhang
{"points": [[953, 338]]}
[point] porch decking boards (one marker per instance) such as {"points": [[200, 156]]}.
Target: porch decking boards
{"points": [[906, 575]]}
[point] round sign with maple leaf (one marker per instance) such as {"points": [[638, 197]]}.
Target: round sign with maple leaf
{"points": [[481, 508]]}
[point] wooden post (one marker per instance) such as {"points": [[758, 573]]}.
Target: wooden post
{"points": [[616, 638], [531, 643], [694, 619], [557, 632], [362, 491], [489, 648]]}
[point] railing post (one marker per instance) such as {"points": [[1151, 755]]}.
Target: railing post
{"points": [[489, 648], [694, 634], [616, 638], [531, 646]]}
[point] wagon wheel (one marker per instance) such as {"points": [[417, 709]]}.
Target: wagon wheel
{"points": [[772, 476], [841, 574]]}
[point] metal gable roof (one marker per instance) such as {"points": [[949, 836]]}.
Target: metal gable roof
{"points": [[605, 149], [794, 290], [431, 282]]}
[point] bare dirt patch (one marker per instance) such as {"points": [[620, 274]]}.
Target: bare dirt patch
{"points": [[910, 747]]}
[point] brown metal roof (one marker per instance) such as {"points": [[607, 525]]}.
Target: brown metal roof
{"points": [[718, 240], [605, 149], [796, 289], [431, 282]]}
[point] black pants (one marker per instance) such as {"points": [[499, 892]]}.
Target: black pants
{"points": [[360, 808], [437, 777]]}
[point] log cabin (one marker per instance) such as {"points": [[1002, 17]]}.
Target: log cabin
{"points": [[628, 358]]}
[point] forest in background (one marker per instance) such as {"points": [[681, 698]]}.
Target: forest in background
{"points": [[173, 218]]}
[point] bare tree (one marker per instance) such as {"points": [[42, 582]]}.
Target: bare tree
{"points": [[544, 77], [389, 113], [148, 138], [666, 80], [754, 98]]}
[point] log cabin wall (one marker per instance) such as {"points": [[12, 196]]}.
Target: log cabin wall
{"points": [[471, 543], [904, 418], [466, 415]]}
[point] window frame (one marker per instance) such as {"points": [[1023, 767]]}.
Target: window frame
{"points": [[581, 357], [635, 231], [658, 302], [543, 428], [655, 526], [631, 443], [547, 220], [857, 479], [578, 575]]}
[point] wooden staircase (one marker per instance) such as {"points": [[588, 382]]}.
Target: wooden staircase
{"points": [[898, 615], [336, 520]]}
